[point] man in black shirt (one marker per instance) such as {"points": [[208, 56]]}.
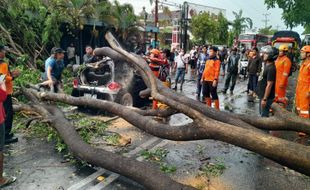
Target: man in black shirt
{"points": [[232, 70], [267, 80], [254, 68]]}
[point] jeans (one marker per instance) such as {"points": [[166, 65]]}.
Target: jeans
{"points": [[233, 77], [199, 85], [223, 66], [180, 74], [253, 79], [264, 112]]}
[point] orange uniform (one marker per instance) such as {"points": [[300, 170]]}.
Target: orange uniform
{"points": [[283, 66], [4, 69], [212, 70], [155, 65], [209, 75], [303, 90]]}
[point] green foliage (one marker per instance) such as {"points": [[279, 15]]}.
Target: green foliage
{"points": [[27, 76], [240, 23], [157, 156], [222, 30], [295, 12], [211, 28], [203, 27], [113, 139], [167, 168], [267, 31], [213, 169]]}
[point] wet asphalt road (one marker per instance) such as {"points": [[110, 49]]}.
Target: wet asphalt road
{"points": [[38, 166]]}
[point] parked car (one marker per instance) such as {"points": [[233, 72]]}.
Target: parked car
{"points": [[107, 80]]}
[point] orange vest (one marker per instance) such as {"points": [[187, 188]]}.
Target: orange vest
{"points": [[302, 90], [283, 66], [212, 70], [155, 65], [4, 69]]}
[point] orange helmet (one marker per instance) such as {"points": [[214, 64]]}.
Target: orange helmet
{"points": [[283, 47], [305, 49], [156, 52]]}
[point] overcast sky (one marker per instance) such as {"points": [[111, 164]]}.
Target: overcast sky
{"points": [[253, 9]]}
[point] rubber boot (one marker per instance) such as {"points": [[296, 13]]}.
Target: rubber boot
{"points": [[208, 101], [217, 104]]}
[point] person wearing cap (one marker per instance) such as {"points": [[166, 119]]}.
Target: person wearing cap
{"points": [[232, 70], [210, 78], [303, 84], [8, 104], [54, 66], [267, 80], [283, 66]]}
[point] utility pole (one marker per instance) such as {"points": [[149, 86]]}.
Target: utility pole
{"points": [[185, 24], [156, 21], [266, 20], [277, 27]]}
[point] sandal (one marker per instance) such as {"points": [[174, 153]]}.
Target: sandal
{"points": [[9, 180]]}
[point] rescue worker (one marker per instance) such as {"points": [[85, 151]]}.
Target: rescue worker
{"points": [[210, 77], [303, 84], [156, 62], [283, 66]]}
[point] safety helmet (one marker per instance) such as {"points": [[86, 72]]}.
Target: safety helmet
{"points": [[283, 47], [305, 49], [156, 52], [271, 51]]}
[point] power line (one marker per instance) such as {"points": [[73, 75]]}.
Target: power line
{"points": [[266, 20]]}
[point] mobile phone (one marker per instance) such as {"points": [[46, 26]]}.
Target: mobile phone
{"points": [[2, 77]]}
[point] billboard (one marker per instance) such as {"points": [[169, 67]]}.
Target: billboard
{"points": [[195, 9]]}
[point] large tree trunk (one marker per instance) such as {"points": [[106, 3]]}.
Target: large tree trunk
{"points": [[141, 172], [292, 155]]}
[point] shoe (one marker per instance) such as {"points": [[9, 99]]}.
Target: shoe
{"points": [[175, 88], [224, 91], [231, 93], [11, 140]]}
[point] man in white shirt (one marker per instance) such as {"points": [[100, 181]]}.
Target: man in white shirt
{"points": [[181, 68]]}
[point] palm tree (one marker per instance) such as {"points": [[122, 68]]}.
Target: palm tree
{"points": [[240, 23]]}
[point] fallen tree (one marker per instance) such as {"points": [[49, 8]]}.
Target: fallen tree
{"points": [[141, 172], [207, 123]]}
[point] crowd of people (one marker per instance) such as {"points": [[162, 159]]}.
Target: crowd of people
{"points": [[268, 73]]}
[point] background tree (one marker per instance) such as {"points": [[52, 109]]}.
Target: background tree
{"points": [[222, 30], [203, 28], [28, 27], [267, 31], [241, 23], [295, 12]]}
